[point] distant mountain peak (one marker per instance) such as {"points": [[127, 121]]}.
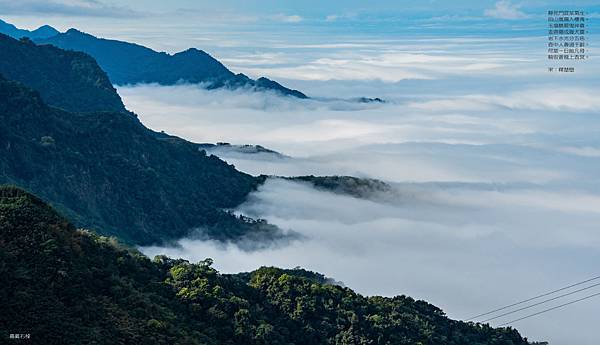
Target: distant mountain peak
{"points": [[268, 84], [46, 30], [129, 63], [193, 52], [73, 31], [43, 31]]}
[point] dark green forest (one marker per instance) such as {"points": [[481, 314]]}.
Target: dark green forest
{"points": [[65, 79], [62, 285], [104, 169]]}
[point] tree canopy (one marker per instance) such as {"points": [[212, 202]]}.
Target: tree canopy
{"points": [[67, 286]]}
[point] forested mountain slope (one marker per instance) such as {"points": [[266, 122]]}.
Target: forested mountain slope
{"points": [[67, 286], [105, 170], [65, 79]]}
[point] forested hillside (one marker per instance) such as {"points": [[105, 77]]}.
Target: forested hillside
{"points": [[65, 79], [68, 286], [106, 171]]}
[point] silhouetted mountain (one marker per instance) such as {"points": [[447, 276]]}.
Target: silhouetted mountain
{"points": [[369, 100], [65, 79], [107, 171], [128, 63], [265, 83], [41, 32], [221, 147], [66, 286]]}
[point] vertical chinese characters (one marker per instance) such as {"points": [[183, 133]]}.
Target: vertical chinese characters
{"points": [[566, 39]]}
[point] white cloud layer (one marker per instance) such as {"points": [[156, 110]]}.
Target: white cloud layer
{"points": [[393, 60], [466, 248], [495, 178]]}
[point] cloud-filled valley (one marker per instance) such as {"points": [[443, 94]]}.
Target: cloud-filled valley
{"points": [[461, 246], [494, 182]]}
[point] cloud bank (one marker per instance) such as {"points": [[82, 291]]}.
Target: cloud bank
{"points": [[495, 181], [461, 247]]}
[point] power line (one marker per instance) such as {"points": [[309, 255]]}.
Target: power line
{"points": [[550, 309], [533, 298], [542, 302]]}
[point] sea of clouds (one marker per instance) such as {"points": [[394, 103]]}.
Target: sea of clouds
{"points": [[495, 184]]}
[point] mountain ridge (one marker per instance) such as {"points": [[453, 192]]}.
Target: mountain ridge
{"points": [[131, 63], [41, 32]]}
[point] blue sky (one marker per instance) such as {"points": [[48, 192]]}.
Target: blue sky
{"points": [[425, 17], [223, 28], [310, 9]]}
